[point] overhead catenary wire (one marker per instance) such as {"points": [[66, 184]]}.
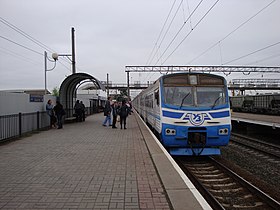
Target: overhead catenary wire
{"points": [[161, 31], [156, 43], [264, 59], [15, 28], [189, 32], [169, 26], [234, 30], [19, 56], [27, 48], [186, 20], [256, 51], [181, 28], [189, 17], [189, 13], [29, 37]]}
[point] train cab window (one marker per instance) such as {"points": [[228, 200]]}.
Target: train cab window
{"points": [[178, 96], [210, 96]]}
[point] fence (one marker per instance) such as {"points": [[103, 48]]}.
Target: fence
{"points": [[16, 125]]}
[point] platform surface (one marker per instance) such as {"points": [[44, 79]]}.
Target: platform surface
{"points": [[261, 119], [88, 166]]}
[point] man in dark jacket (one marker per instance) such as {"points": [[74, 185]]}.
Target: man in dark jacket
{"points": [[59, 112], [123, 114]]}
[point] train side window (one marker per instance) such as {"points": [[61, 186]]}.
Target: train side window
{"points": [[157, 96]]}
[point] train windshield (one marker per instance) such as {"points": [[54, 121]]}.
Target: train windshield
{"points": [[194, 91], [210, 96], [178, 96]]}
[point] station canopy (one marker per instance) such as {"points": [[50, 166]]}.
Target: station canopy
{"points": [[67, 90]]}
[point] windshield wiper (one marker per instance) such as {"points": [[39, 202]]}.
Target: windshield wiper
{"points": [[215, 102], [183, 99]]}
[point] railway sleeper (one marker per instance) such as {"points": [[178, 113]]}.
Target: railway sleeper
{"points": [[221, 185], [206, 172], [215, 180], [220, 198], [246, 206], [210, 176], [239, 189]]}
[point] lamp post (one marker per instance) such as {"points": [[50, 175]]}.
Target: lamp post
{"points": [[55, 57]]}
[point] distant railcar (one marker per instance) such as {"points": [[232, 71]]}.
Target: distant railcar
{"points": [[189, 112], [241, 103], [261, 104]]}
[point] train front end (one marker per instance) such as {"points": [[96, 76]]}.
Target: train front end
{"points": [[195, 114]]}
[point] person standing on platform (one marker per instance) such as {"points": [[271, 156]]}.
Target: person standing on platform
{"points": [[83, 108], [107, 112], [124, 110], [78, 111], [59, 112], [115, 110], [50, 112]]}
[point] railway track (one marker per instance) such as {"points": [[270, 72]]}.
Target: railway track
{"points": [[222, 188], [257, 146]]}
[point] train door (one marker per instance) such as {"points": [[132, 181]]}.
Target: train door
{"points": [[157, 110]]}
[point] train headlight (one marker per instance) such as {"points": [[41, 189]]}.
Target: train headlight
{"points": [[170, 132], [223, 131]]}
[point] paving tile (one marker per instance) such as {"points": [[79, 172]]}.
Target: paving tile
{"points": [[82, 166]]}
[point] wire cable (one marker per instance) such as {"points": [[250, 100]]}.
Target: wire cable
{"points": [[161, 31], [19, 56], [15, 28], [234, 30], [21, 45], [264, 59], [42, 45], [177, 33], [169, 26], [180, 30], [191, 31], [241, 57]]}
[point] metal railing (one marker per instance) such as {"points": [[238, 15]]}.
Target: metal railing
{"points": [[16, 125]]}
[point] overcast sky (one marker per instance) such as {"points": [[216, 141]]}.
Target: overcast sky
{"points": [[114, 33]]}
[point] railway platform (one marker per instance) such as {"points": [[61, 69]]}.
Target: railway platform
{"points": [[258, 119], [88, 166]]}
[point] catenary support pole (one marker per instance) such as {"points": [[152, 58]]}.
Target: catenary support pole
{"points": [[73, 51]]}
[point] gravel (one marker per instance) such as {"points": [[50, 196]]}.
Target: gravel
{"points": [[255, 169]]}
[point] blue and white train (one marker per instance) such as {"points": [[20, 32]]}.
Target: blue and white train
{"points": [[189, 112]]}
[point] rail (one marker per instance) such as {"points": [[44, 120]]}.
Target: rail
{"points": [[223, 188], [262, 147]]}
